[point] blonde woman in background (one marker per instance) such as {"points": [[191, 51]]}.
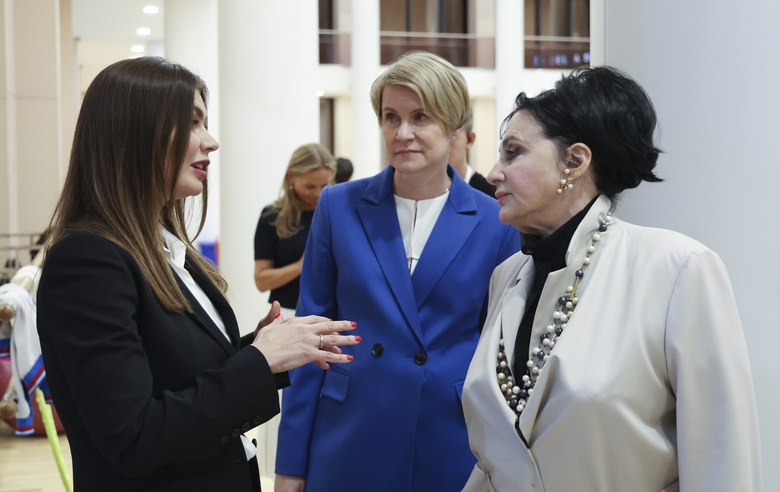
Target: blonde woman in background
{"points": [[283, 227]]}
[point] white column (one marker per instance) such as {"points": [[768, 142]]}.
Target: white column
{"points": [[31, 132], [268, 59], [199, 54], [367, 152], [268, 56], [711, 70], [9, 221], [510, 55], [69, 93], [598, 33]]}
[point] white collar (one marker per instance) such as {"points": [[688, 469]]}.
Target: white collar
{"points": [[174, 248], [469, 173]]}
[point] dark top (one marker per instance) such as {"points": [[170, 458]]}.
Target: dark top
{"points": [[478, 182], [549, 255], [149, 399], [282, 252]]}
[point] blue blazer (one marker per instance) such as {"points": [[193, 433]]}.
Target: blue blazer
{"points": [[391, 420]]}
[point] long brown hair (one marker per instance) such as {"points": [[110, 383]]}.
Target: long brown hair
{"points": [[134, 129], [305, 159]]}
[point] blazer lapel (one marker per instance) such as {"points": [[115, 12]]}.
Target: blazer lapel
{"points": [[202, 318], [554, 287], [380, 222], [454, 226]]}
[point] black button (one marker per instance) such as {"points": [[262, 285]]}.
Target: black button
{"points": [[420, 358], [235, 433], [224, 439], [258, 420], [378, 349], [245, 427]]}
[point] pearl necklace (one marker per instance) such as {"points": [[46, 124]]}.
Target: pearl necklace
{"points": [[517, 394]]}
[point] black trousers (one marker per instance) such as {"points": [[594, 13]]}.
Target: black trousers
{"points": [[254, 471]]}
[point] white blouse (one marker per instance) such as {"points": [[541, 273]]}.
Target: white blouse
{"points": [[417, 218], [175, 253]]}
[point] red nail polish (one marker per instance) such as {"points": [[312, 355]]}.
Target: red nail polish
{"points": [[354, 325], [358, 338], [277, 315], [350, 357]]}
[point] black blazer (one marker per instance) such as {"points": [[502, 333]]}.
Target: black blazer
{"points": [[149, 399]]}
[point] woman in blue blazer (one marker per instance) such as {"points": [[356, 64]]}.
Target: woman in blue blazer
{"points": [[407, 254]]}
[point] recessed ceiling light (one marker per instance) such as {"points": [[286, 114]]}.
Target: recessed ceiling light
{"points": [[151, 9], [137, 48], [143, 31], [320, 93]]}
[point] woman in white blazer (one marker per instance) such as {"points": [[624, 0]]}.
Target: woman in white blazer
{"points": [[612, 357]]}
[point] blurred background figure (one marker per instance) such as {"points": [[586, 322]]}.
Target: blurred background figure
{"points": [[344, 170], [281, 233], [459, 159]]}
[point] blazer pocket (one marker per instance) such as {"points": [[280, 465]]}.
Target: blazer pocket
{"points": [[336, 384]]}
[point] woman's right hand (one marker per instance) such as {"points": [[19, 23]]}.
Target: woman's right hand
{"points": [[289, 483], [287, 344]]}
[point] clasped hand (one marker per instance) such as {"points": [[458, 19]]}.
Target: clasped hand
{"points": [[290, 343]]}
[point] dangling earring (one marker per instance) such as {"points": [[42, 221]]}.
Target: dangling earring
{"points": [[566, 183]]}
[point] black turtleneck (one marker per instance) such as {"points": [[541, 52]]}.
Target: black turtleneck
{"points": [[549, 255]]}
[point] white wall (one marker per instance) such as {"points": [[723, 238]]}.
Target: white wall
{"points": [[199, 54], [712, 68]]}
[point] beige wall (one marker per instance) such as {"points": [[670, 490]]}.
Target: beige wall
{"points": [[7, 110], [34, 136]]}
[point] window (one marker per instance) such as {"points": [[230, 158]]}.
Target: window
{"points": [[557, 33], [443, 27], [334, 42], [327, 123]]}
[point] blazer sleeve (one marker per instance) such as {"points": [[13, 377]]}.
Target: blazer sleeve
{"points": [[282, 378], [317, 296], [717, 422], [88, 304]]}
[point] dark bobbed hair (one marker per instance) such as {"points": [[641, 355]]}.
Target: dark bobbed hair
{"points": [[133, 130], [609, 112], [344, 170]]}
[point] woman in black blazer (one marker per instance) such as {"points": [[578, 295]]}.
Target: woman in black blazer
{"points": [[151, 379]]}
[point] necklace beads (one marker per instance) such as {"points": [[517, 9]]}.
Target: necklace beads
{"points": [[515, 392]]}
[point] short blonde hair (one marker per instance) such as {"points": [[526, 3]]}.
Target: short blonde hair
{"points": [[440, 86]]}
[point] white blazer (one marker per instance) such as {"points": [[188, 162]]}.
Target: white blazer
{"points": [[648, 389]]}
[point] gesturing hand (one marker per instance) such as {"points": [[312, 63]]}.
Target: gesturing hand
{"points": [[287, 344], [273, 313]]}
